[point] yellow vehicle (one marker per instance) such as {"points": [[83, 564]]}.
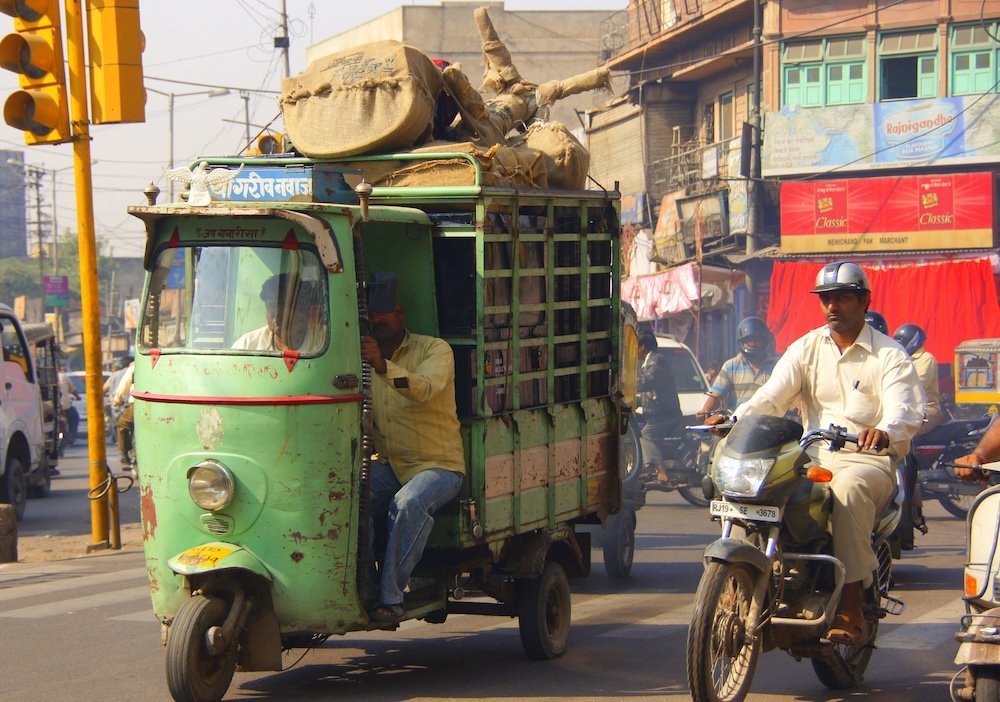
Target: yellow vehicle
{"points": [[977, 387]]}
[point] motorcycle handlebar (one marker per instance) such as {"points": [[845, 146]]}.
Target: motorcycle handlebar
{"points": [[837, 436]]}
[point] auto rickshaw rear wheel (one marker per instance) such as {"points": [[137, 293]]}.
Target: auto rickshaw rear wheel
{"points": [[544, 613], [193, 675]]}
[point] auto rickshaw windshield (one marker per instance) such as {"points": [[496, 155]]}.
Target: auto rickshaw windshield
{"points": [[240, 299]]}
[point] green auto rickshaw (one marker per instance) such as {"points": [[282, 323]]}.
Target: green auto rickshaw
{"points": [[253, 462]]}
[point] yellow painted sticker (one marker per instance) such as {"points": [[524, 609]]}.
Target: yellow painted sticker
{"points": [[204, 556]]}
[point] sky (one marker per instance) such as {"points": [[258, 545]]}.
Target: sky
{"points": [[195, 46]]}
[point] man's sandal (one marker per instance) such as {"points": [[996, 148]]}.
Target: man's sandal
{"points": [[846, 631], [386, 614]]}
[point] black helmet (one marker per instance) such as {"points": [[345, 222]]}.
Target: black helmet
{"points": [[842, 275], [910, 337], [877, 321], [754, 328]]}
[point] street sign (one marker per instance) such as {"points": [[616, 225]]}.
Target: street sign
{"points": [[56, 290]]}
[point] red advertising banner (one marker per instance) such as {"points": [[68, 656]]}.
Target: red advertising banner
{"points": [[904, 213]]}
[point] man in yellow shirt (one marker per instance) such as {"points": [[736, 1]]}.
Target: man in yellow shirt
{"points": [[416, 433]]}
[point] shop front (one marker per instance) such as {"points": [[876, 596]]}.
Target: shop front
{"points": [[925, 241]]}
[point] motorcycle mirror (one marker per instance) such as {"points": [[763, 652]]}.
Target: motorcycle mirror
{"points": [[819, 475]]}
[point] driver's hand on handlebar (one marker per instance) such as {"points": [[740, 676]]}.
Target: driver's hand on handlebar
{"points": [[871, 439], [972, 472], [720, 418]]}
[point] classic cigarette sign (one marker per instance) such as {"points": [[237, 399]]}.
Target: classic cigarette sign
{"points": [[905, 213]]}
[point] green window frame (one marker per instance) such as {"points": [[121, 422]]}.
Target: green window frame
{"points": [[908, 64], [826, 71], [974, 59]]}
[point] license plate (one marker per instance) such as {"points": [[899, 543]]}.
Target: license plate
{"points": [[760, 513]]}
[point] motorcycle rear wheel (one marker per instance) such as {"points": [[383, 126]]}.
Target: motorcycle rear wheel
{"points": [[721, 655], [701, 457]]}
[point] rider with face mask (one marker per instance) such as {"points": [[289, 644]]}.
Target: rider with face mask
{"points": [[742, 374]]}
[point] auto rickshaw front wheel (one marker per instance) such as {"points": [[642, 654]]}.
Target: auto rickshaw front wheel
{"points": [[544, 613], [193, 674]]}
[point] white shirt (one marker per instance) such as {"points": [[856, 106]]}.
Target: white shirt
{"points": [[872, 384]]}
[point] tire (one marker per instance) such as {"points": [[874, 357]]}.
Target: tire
{"points": [[14, 486], [44, 487], [618, 544], [958, 505], [720, 662], [701, 457], [193, 675], [850, 669], [987, 682], [544, 614]]}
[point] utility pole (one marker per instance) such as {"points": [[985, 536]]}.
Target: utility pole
{"points": [[245, 96], [281, 42], [753, 187], [36, 182]]}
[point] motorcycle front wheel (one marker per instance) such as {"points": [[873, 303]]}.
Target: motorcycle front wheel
{"points": [[721, 654], [701, 459]]}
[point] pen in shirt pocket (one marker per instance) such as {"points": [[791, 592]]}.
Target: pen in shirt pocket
{"points": [[856, 384]]}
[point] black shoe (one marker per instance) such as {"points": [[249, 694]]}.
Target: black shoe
{"points": [[54, 472]]}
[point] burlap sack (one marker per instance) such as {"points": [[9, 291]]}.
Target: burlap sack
{"points": [[520, 167], [566, 159], [377, 97]]}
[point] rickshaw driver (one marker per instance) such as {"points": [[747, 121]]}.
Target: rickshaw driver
{"points": [[286, 301], [421, 462]]}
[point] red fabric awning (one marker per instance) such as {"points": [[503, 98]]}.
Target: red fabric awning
{"points": [[952, 301]]}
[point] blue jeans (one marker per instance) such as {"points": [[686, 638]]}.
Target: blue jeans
{"points": [[407, 511]]}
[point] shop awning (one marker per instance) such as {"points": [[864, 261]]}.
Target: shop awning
{"points": [[679, 289], [951, 300]]}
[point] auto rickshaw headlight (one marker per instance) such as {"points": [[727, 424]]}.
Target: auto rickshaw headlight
{"points": [[211, 485]]}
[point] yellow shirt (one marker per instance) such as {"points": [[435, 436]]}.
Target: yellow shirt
{"points": [[413, 405], [927, 371]]}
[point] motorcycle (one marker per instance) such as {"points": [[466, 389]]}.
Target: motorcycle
{"points": [[687, 465], [771, 580], [979, 637], [935, 453]]}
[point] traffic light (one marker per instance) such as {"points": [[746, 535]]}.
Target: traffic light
{"points": [[268, 145], [35, 53], [117, 93]]}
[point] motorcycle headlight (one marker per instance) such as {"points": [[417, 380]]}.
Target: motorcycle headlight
{"points": [[211, 485], [737, 477]]}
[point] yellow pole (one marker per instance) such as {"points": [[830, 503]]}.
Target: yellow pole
{"points": [[103, 493]]}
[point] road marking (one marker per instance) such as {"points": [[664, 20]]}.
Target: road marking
{"points": [[144, 616], [926, 632], [69, 583], [652, 627], [76, 604], [25, 572]]}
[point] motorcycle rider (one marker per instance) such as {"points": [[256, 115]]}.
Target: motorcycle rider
{"points": [[742, 374], [661, 407], [986, 451], [877, 321], [912, 338], [846, 374]]}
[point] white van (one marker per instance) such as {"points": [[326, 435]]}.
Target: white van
{"points": [[24, 460], [692, 384]]}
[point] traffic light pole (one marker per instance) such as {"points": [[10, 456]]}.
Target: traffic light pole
{"points": [[103, 493]]}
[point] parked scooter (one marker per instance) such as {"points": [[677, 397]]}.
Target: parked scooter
{"points": [[771, 580], [979, 638]]}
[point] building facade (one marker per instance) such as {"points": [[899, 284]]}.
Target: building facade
{"points": [[13, 227], [880, 143]]}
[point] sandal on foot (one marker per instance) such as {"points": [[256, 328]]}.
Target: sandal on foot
{"points": [[846, 631], [389, 614]]}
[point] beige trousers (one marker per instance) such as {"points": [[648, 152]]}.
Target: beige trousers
{"points": [[862, 487]]}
